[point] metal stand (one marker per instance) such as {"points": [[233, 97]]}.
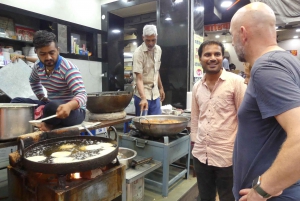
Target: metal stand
{"points": [[166, 182], [167, 152]]}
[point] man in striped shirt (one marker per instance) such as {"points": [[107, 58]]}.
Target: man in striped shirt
{"points": [[63, 82]]}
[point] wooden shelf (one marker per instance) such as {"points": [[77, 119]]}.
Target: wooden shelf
{"points": [[94, 39], [81, 57], [20, 41]]}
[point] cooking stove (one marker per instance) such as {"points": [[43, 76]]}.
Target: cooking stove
{"points": [[31, 186], [98, 181], [167, 149]]}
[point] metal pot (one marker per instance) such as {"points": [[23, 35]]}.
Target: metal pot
{"points": [[158, 130], [65, 168], [108, 102], [129, 154], [14, 119]]}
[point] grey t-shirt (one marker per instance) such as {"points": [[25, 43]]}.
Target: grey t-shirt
{"points": [[274, 88]]}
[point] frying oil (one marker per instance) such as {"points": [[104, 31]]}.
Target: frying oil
{"points": [[75, 147]]}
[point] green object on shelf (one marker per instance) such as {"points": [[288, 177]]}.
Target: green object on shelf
{"points": [[77, 49]]}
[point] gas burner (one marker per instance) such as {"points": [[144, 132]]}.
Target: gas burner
{"points": [[28, 186], [137, 134]]}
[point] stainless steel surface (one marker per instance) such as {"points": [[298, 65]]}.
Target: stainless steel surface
{"points": [[14, 119], [38, 122], [14, 80], [129, 154], [159, 130], [108, 102]]}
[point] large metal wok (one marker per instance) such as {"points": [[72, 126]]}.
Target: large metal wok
{"points": [[108, 102], [158, 130], [65, 168]]}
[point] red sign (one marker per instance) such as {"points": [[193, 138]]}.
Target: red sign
{"points": [[217, 27]]}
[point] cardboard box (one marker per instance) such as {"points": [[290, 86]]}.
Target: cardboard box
{"points": [[135, 190]]}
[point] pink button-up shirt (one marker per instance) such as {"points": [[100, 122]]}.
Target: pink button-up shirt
{"points": [[214, 118]]}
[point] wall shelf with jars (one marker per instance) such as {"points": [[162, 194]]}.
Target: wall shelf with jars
{"points": [[75, 41]]}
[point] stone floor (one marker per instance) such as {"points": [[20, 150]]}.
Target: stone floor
{"points": [[183, 189]]}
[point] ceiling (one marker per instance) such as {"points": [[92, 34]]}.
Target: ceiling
{"points": [[136, 10], [284, 32], [211, 18]]}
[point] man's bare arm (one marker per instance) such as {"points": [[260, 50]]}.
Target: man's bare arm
{"points": [[285, 170]]}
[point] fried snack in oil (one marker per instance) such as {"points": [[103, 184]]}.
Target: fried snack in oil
{"points": [[160, 121]]}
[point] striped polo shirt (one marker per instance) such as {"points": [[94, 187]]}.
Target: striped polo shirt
{"points": [[64, 83]]}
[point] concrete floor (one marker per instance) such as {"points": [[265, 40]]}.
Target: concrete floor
{"points": [[183, 190]]}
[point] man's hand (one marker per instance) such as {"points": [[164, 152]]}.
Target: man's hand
{"points": [[44, 99], [251, 195], [63, 111], [17, 57], [45, 127], [144, 104], [162, 94]]}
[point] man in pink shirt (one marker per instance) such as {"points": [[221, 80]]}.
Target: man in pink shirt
{"points": [[215, 101]]}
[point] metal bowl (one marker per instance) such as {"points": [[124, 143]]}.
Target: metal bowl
{"points": [[128, 153], [108, 102], [159, 130]]}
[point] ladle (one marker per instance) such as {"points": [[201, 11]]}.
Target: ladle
{"points": [[37, 123]]}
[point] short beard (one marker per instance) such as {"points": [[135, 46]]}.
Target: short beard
{"points": [[213, 72], [52, 66], [240, 52], [241, 57]]}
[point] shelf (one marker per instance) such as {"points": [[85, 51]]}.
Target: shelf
{"points": [[81, 57], [94, 39], [21, 41]]}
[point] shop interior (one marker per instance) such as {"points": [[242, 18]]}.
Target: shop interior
{"points": [[100, 37]]}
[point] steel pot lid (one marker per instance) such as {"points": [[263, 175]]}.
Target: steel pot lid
{"points": [[16, 105]]}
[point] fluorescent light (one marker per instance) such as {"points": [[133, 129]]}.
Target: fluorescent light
{"points": [[134, 43], [296, 37], [297, 30], [217, 36], [103, 17], [178, 1], [226, 4], [168, 19], [116, 31], [276, 27], [224, 41], [200, 8]]}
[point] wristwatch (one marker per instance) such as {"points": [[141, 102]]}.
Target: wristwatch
{"points": [[256, 186]]}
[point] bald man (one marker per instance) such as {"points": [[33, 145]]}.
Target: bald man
{"points": [[267, 147]]}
